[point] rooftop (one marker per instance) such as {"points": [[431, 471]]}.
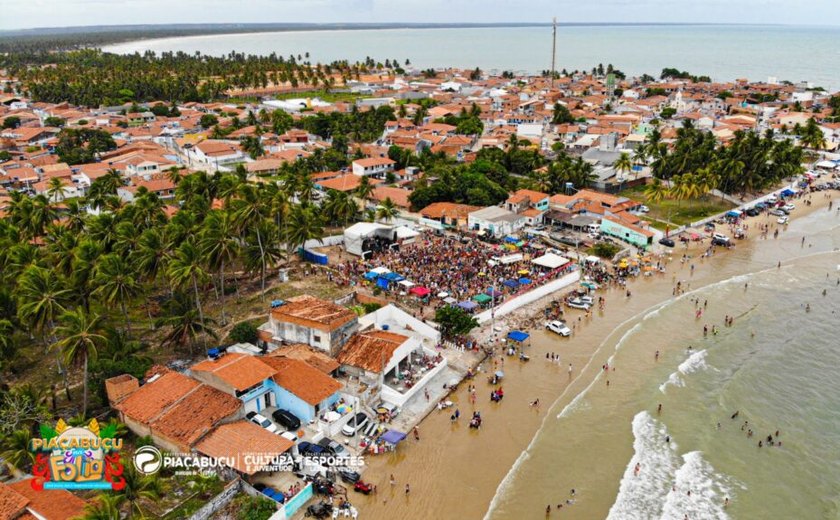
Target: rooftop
{"points": [[240, 371], [370, 350], [195, 414], [151, 399], [313, 312], [302, 379], [238, 439]]}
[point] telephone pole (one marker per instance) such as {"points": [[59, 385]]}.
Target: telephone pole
{"points": [[553, 47]]}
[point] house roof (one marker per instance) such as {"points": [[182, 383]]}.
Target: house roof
{"points": [[195, 414], [373, 161], [313, 312], [151, 399], [348, 182], [51, 504], [303, 352], [448, 209], [371, 350], [398, 196], [302, 379], [238, 439], [240, 371], [12, 503]]}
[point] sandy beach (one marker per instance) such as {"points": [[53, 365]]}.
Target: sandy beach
{"points": [[455, 472]]}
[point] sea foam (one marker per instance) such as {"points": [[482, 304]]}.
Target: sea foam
{"points": [[693, 363]]}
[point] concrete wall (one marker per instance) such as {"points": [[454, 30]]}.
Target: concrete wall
{"points": [[217, 502], [393, 396], [531, 296]]}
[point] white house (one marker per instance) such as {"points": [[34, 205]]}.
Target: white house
{"points": [[309, 320], [375, 166], [495, 221]]}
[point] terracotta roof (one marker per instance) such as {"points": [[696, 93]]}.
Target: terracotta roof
{"points": [[448, 209], [12, 503], [303, 352], [154, 397], [51, 504], [195, 414], [398, 196], [240, 371], [313, 312], [637, 229], [370, 350], [373, 161], [303, 380], [241, 438]]}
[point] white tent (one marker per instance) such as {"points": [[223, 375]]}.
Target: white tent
{"points": [[550, 261], [380, 270], [407, 284], [406, 234], [355, 235]]}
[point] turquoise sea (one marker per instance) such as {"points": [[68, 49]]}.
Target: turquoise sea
{"points": [[724, 52]]}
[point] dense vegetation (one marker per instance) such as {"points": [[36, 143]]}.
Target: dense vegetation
{"points": [[93, 78]]}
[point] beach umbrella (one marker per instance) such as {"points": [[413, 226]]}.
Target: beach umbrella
{"points": [[442, 294], [499, 373]]}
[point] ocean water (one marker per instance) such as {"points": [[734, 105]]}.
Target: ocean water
{"points": [[724, 52], [776, 367]]}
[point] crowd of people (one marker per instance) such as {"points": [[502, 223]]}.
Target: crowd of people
{"points": [[446, 264]]}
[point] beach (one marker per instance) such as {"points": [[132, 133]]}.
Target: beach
{"points": [[455, 472]]}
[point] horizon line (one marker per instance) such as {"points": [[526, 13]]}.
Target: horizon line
{"points": [[377, 25]]}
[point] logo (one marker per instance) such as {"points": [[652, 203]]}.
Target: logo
{"points": [[77, 457], [148, 460]]}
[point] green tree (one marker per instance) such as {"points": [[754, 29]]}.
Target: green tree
{"points": [[186, 270], [219, 244], [116, 283], [243, 332], [454, 321], [387, 210], [81, 337]]}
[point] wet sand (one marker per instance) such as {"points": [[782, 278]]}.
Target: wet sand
{"points": [[454, 472]]}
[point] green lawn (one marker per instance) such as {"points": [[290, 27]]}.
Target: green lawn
{"points": [[677, 212]]}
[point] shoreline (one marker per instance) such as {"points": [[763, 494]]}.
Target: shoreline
{"points": [[585, 347]]}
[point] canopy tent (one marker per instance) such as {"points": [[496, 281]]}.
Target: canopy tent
{"points": [[380, 270], [493, 292], [513, 284], [518, 336], [787, 192], [393, 277], [370, 275], [511, 240], [383, 283], [482, 298], [420, 291], [355, 235], [499, 374], [393, 436], [734, 213], [406, 234], [468, 305], [827, 164], [592, 259], [550, 261], [443, 294], [450, 300], [406, 283], [524, 281]]}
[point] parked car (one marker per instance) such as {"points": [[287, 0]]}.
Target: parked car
{"points": [[588, 300], [260, 420], [752, 212], [643, 209], [720, 240], [355, 424], [778, 212], [335, 448], [667, 242], [288, 435], [558, 327], [363, 487], [348, 475], [789, 207], [311, 449], [319, 510], [286, 419], [576, 303], [783, 220]]}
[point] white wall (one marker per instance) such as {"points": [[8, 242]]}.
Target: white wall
{"points": [[531, 296]]}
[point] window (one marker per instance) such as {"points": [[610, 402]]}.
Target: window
{"points": [[317, 339]]}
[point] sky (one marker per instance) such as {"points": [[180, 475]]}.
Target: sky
{"points": [[19, 14]]}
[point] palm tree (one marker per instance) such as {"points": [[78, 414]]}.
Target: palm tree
{"points": [[364, 189], [16, 451], [138, 487], [80, 341], [249, 211], [187, 268], [117, 283], [623, 163], [387, 210], [41, 300], [184, 322], [55, 189], [812, 136], [656, 191], [305, 224], [219, 243], [104, 507]]}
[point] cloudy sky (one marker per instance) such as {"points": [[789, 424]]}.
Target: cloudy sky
{"points": [[16, 14]]}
